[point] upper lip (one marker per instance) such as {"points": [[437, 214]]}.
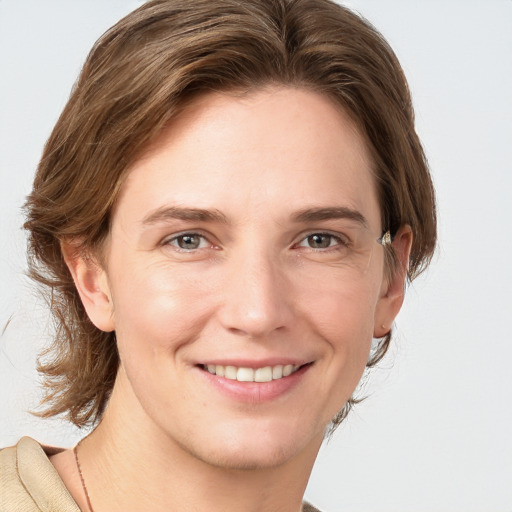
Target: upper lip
{"points": [[254, 364]]}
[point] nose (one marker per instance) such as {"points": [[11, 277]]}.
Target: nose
{"points": [[257, 297]]}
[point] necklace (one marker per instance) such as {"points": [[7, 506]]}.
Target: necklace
{"points": [[84, 487]]}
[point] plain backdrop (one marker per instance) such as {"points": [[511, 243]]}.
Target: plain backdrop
{"points": [[435, 433]]}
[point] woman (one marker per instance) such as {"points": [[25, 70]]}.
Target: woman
{"points": [[225, 215]]}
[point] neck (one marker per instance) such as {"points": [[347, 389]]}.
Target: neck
{"points": [[144, 469]]}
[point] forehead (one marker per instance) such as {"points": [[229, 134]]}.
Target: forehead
{"points": [[279, 148]]}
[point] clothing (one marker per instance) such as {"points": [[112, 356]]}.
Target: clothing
{"points": [[30, 483], [306, 507]]}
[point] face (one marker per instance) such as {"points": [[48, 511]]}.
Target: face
{"points": [[243, 248]]}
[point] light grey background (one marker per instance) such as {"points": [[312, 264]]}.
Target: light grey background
{"points": [[436, 431]]}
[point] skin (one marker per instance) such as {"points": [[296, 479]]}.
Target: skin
{"points": [[252, 292]]}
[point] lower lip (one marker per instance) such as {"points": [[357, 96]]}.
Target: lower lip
{"points": [[255, 392]]}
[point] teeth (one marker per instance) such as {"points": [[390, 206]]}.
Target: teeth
{"points": [[287, 370], [263, 374], [277, 371], [230, 372], [245, 375], [242, 374]]}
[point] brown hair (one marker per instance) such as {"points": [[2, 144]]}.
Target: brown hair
{"points": [[137, 77]]}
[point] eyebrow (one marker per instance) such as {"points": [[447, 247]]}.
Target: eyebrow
{"points": [[334, 212], [167, 213], [191, 214]]}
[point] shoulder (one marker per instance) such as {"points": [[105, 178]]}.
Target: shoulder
{"points": [[307, 507], [29, 482]]}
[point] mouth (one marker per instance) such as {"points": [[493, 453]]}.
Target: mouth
{"points": [[245, 374]]}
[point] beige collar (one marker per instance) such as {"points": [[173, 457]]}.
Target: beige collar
{"points": [[40, 479]]}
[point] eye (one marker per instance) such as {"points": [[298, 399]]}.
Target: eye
{"points": [[321, 241], [189, 241]]}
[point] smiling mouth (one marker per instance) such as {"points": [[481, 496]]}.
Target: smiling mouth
{"points": [[244, 374]]}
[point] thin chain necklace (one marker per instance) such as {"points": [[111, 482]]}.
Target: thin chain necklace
{"points": [[84, 487]]}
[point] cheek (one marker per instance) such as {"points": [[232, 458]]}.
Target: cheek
{"points": [[343, 316], [340, 306], [158, 309]]}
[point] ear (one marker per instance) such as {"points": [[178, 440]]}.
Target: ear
{"points": [[393, 286], [92, 285]]}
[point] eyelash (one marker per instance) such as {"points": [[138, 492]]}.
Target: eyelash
{"points": [[190, 234], [339, 241]]}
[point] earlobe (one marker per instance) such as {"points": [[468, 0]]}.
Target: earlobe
{"points": [[92, 285], [393, 287]]}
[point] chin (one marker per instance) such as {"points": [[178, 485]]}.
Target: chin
{"points": [[244, 460], [248, 459], [259, 447]]}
